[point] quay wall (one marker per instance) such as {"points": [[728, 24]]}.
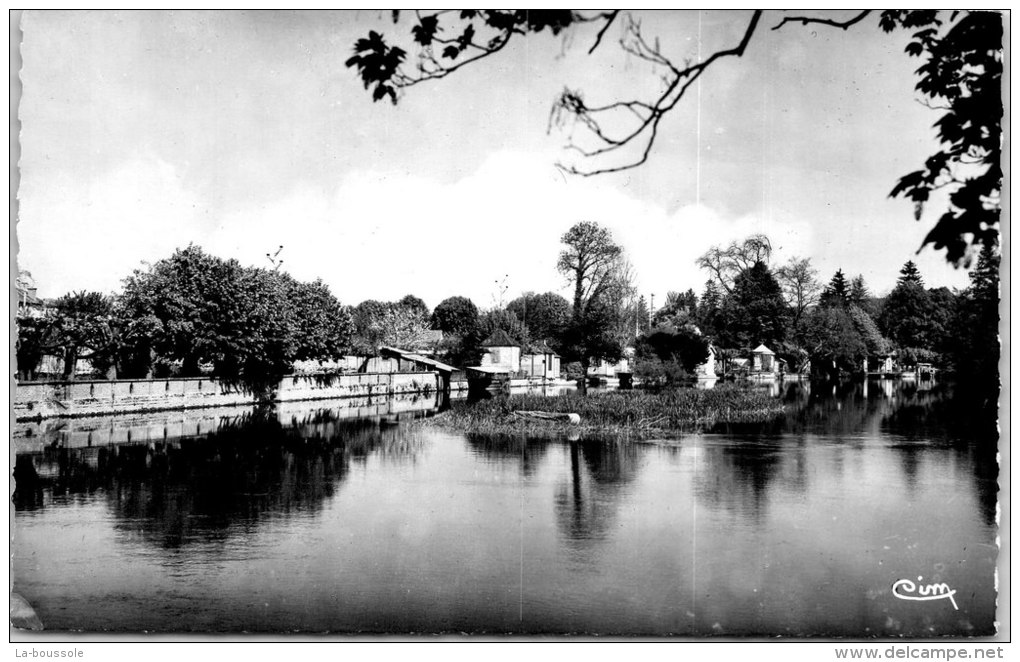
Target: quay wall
{"points": [[37, 400]]}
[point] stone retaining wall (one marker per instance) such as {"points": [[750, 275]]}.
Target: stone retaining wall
{"points": [[34, 400]]}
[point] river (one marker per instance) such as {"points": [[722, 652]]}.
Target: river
{"points": [[309, 518]]}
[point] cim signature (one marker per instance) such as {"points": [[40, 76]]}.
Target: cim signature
{"points": [[905, 589]]}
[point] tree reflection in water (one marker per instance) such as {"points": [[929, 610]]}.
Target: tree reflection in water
{"points": [[253, 468], [587, 501]]}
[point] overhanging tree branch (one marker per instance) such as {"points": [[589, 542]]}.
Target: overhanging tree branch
{"points": [[805, 20], [678, 81]]}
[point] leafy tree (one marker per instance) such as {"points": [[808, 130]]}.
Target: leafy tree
{"points": [[940, 317], [669, 354], [590, 262], [456, 315], [403, 326], [590, 337], [832, 341], [961, 68], [326, 327], [500, 318], [594, 265], [415, 305], [973, 341], [81, 328], [33, 341], [962, 73], [755, 311], [368, 327], [546, 315], [250, 324]]}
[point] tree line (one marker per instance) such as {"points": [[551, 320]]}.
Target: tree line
{"points": [[193, 313]]}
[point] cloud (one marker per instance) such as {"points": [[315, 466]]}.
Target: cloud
{"points": [[77, 234]]}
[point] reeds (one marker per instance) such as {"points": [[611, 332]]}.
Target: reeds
{"points": [[641, 413]]}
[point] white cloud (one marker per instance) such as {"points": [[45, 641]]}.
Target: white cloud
{"points": [[89, 234]]}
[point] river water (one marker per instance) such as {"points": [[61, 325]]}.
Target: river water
{"points": [[311, 519]]}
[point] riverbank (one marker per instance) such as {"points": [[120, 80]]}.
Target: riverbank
{"points": [[41, 400], [631, 413]]}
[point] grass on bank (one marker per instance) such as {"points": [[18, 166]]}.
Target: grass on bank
{"points": [[641, 413]]}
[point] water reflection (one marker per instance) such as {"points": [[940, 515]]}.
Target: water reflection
{"points": [[193, 489], [587, 500], [307, 518]]}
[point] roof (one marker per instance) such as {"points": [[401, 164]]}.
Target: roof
{"points": [[489, 369], [762, 349], [417, 358], [542, 348], [499, 338]]}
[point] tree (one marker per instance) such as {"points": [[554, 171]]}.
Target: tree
{"points": [[591, 336], [457, 315], [546, 315], [973, 341], [963, 70], [910, 274], [725, 264], [505, 320], [80, 329], [590, 262], [799, 282], [708, 310], [962, 67], [250, 324], [669, 354], [755, 311], [905, 316], [415, 305], [326, 327], [368, 327], [833, 341], [593, 263], [837, 292], [403, 326], [680, 309]]}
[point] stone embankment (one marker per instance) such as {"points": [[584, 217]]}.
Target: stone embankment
{"points": [[38, 400]]}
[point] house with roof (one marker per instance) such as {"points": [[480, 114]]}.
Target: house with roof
{"points": [[501, 352], [541, 362], [765, 364]]}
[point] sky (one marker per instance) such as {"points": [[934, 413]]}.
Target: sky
{"points": [[240, 132]]}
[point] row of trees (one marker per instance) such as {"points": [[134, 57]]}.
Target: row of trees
{"points": [[841, 323], [193, 312], [190, 311]]}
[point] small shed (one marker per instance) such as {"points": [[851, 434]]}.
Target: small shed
{"points": [[409, 362], [763, 359], [541, 361], [501, 352]]}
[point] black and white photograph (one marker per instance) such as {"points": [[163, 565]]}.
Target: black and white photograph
{"points": [[511, 325]]}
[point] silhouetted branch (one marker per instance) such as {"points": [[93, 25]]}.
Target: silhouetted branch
{"points": [[678, 81], [804, 20], [598, 38]]}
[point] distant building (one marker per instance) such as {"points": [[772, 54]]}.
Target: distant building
{"points": [[501, 352], [763, 360], [541, 361], [29, 304]]}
